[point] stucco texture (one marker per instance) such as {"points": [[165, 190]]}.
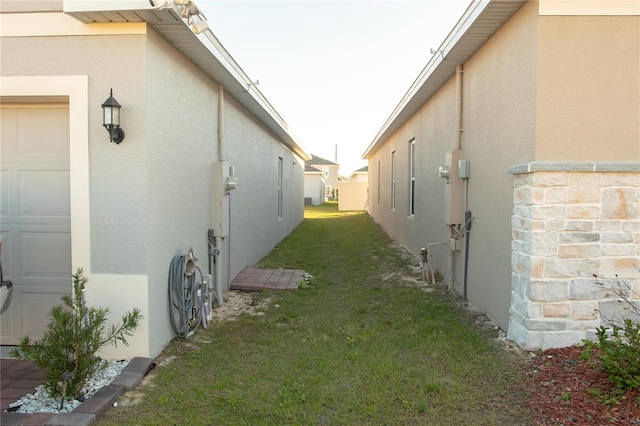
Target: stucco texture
{"points": [[116, 178], [150, 196], [498, 123], [588, 88]]}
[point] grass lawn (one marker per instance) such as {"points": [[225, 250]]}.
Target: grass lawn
{"points": [[357, 345]]}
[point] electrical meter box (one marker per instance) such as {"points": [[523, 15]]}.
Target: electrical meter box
{"points": [[223, 180], [454, 189]]}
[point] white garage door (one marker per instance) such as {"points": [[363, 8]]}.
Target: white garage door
{"points": [[35, 221]]}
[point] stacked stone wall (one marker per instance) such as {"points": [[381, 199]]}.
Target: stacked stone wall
{"points": [[571, 223]]}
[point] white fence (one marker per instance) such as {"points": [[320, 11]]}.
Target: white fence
{"points": [[352, 195]]}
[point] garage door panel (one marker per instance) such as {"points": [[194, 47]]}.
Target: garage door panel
{"points": [[35, 208], [8, 122], [7, 250], [4, 193], [43, 131], [6, 324], [44, 193], [35, 312], [45, 255]]}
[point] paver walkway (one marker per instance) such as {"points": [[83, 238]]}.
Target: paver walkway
{"points": [[17, 378], [255, 279]]}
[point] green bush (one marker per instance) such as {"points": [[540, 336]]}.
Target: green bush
{"points": [[72, 339], [619, 341], [620, 354]]}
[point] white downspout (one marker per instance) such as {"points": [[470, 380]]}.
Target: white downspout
{"points": [[458, 106], [217, 240], [221, 147], [457, 146]]}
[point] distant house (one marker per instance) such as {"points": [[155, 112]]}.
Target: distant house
{"points": [[354, 191], [71, 198], [361, 175], [330, 169], [514, 161], [314, 186]]}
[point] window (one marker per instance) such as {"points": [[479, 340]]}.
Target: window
{"points": [[280, 187], [412, 176], [378, 182], [393, 180], [328, 192]]}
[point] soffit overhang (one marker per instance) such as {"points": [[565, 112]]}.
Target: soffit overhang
{"points": [[203, 49], [479, 22]]}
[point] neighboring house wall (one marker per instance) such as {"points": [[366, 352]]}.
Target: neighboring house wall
{"points": [[332, 176], [522, 102], [361, 177], [255, 226], [433, 134], [314, 188], [136, 205]]}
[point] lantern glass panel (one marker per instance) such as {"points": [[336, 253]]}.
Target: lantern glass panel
{"points": [[107, 118], [116, 116]]}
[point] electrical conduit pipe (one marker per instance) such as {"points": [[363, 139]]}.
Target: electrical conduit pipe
{"points": [[217, 240], [457, 146]]}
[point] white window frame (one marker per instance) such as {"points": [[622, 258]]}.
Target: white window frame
{"points": [[412, 177], [393, 180], [379, 182], [280, 191]]}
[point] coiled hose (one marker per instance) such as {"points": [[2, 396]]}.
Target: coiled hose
{"points": [[184, 304]]}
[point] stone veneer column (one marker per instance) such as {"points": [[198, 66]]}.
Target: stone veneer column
{"points": [[570, 220]]}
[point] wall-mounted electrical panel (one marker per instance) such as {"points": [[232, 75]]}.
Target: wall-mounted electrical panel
{"points": [[463, 169], [453, 192], [223, 180]]}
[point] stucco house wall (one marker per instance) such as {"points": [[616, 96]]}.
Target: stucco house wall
{"points": [[314, 187], [255, 226], [136, 205], [499, 115], [360, 177], [433, 134], [542, 105]]}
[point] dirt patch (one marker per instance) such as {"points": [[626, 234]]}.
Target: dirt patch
{"points": [[235, 303], [411, 273]]}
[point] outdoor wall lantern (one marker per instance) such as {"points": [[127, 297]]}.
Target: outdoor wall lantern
{"points": [[111, 119]]}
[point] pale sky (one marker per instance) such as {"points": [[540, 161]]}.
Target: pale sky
{"points": [[334, 70]]}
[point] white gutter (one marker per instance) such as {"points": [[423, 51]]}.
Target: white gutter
{"points": [[192, 37], [221, 145], [482, 18]]}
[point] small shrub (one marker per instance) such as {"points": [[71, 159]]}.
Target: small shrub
{"points": [[72, 339], [619, 342], [620, 354]]}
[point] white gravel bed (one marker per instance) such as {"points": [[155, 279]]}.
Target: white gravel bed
{"points": [[40, 402]]}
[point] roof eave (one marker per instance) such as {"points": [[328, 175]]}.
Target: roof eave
{"points": [[203, 49], [478, 23]]}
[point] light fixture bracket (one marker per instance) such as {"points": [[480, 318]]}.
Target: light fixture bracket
{"points": [[116, 134]]}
